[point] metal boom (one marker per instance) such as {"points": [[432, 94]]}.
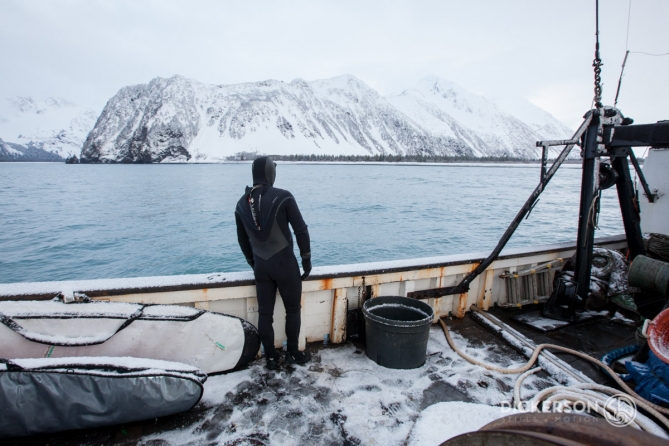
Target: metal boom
{"points": [[463, 286]]}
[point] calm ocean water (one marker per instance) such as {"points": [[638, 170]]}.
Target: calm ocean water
{"points": [[62, 222]]}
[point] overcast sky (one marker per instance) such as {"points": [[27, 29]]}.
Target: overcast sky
{"points": [[539, 50]]}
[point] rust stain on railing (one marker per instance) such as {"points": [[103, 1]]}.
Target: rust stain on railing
{"points": [[326, 284], [462, 305], [464, 297], [338, 319]]}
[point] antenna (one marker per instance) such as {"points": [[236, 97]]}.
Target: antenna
{"points": [[597, 63]]}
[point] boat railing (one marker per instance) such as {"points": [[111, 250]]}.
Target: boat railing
{"points": [[330, 291]]}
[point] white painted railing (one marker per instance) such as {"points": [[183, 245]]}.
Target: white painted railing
{"points": [[326, 295]]}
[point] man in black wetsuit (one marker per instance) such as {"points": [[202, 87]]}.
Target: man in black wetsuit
{"points": [[262, 217]]}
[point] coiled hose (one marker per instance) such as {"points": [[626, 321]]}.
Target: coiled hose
{"points": [[652, 408], [618, 353]]}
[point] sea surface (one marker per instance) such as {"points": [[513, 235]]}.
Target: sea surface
{"points": [[65, 222]]}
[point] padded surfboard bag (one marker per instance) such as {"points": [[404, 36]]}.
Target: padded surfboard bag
{"points": [[212, 342], [51, 395]]}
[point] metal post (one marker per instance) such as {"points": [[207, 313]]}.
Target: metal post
{"points": [[628, 205], [544, 162], [586, 220], [642, 179]]}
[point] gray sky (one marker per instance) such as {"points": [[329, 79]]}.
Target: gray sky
{"points": [[540, 50]]}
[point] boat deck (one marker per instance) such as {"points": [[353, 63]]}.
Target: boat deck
{"points": [[595, 338], [342, 397]]}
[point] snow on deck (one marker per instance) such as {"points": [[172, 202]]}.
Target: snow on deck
{"points": [[342, 397], [450, 419]]}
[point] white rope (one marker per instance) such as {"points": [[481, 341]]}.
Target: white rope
{"points": [[517, 400], [585, 392], [654, 409]]}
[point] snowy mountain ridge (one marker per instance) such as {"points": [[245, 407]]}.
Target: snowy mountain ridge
{"points": [[51, 129], [179, 120], [446, 108]]}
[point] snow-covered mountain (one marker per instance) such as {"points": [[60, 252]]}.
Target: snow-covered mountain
{"points": [[487, 128], [54, 126], [17, 152], [178, 119]]}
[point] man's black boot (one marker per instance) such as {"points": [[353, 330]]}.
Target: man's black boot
{"points": [[273, 360], [298, 357]]}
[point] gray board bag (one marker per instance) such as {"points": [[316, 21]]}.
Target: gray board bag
{"points": [[57, 394]]}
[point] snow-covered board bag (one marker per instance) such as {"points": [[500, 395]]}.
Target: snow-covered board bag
{"points": [[58, 394], [213, 342]]}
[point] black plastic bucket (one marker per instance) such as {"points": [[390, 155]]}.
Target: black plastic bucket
{"points": [[396, 331]]}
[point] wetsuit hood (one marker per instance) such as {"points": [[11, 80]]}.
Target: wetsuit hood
{"points": [[264, 171]]}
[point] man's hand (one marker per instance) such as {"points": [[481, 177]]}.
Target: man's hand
{"points": [[251, 262], [306, 266]]}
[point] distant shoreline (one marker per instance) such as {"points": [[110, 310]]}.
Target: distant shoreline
{"points": [[334, 161], [320, 159], [406, 162], [393, 159]]}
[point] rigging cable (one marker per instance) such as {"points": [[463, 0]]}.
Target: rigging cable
{"points": [[649, 54], [627, 36], [628, 52], [620, 80]]}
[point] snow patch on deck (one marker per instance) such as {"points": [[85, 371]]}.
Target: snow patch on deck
{"points": [[344, 397], [443, 421]]}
